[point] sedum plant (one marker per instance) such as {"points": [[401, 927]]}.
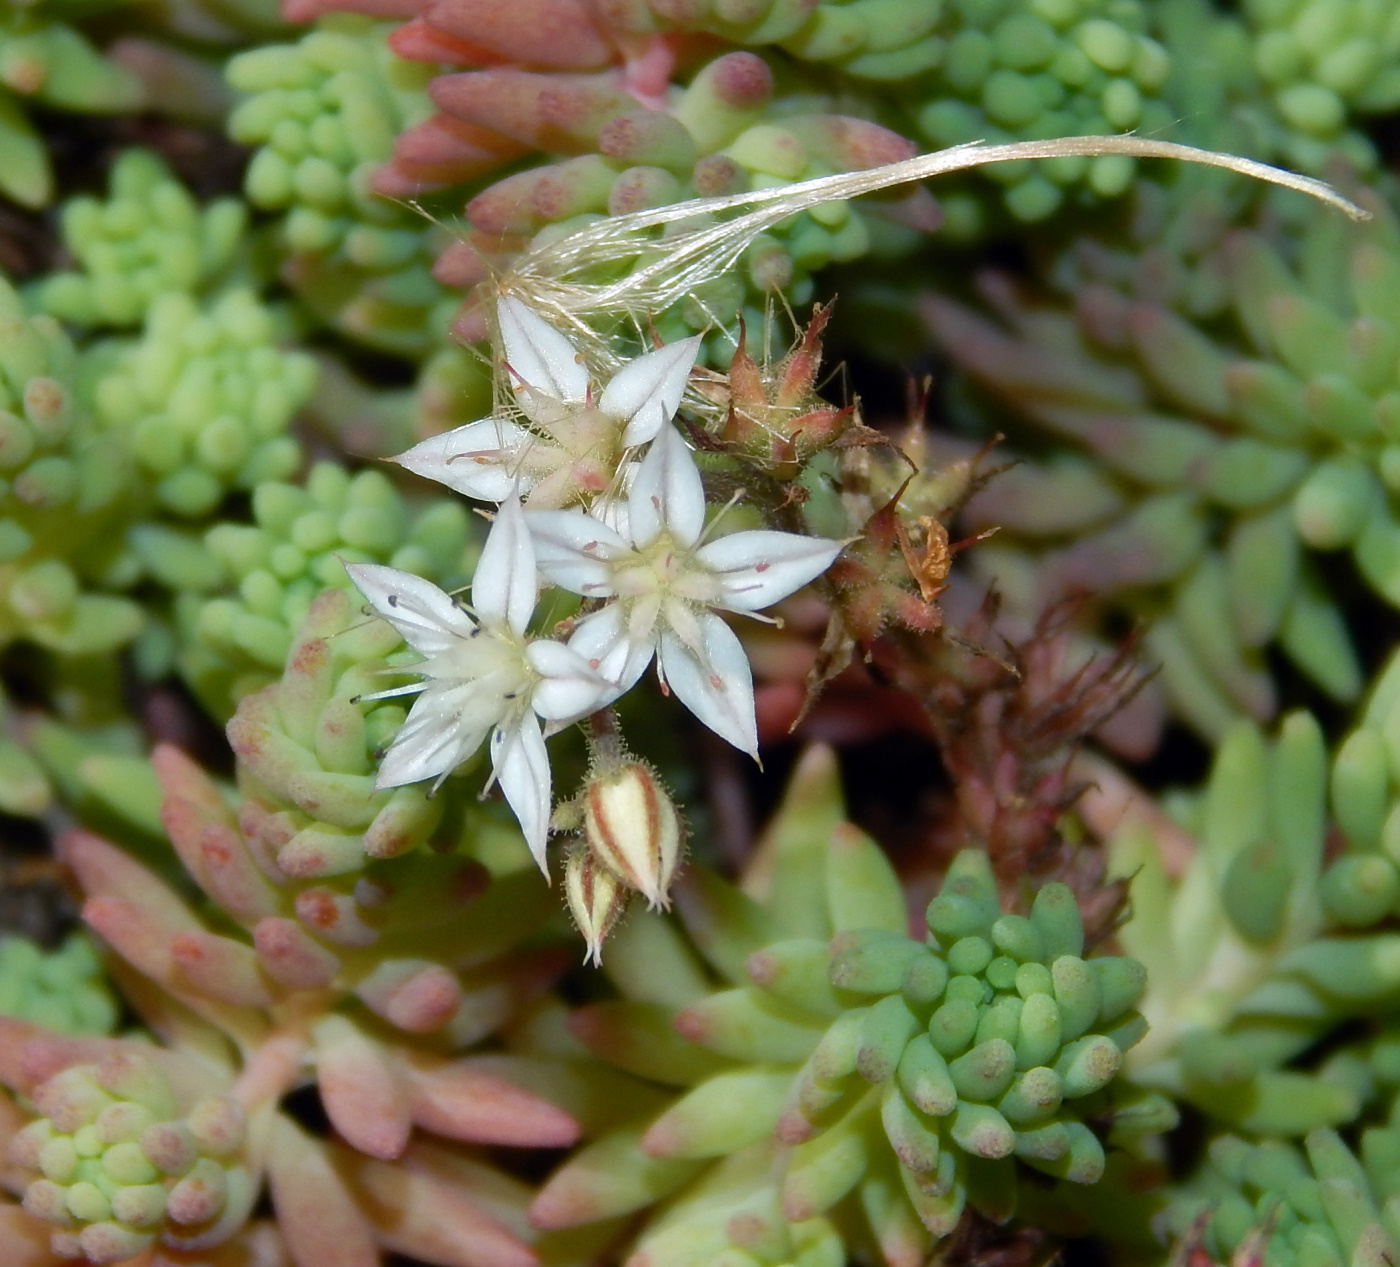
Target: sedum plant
{"points": [[827, 1062], [439, 522]]}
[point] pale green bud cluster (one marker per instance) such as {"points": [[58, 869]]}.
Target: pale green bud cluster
{"points": [[235, 636], [120, 1164], [148, 237], [1324, 62], [324, 112], [63, 483], [53, 64], [64, 990], [308, 751], [204, 400], [1049, 68], [1282, 1206], [1239, 84], [978, 1042], [383, 894]]}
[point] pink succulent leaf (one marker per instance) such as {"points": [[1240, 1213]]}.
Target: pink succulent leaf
{"points": [[495, 992], [569, 688], [425, 1217], [144, 938], [319, 1218], [411, 994], [216, 856], [241, 1194], [667, 494], [221, 968], [483, 459], [428, 620], [460, 1100], [521, 764], [539, 355], [292, 957], [757, 569], [31, 1054], [710, 675], [181, 776], [103, 870], [576, 552], [504, 584], [13, 1119], [185, 784], [25, 1239], [646, 392], [362, 1093]]}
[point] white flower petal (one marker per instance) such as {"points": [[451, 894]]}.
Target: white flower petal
{"points": [[504, 584], [539, 354], [717, 688], [483, 459], [646, 392], [611, 511], [667, 494], [758, 568], [431, 742], [618, 649], [569, 688], [576, 551], [521, 764], [428, 619]]}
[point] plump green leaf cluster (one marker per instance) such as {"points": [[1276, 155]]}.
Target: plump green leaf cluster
{"points": [[308, 749], [324, 113], [863, 1073], [234, 635], [1285, 1206], [204, 399], [1049, 68], [46, 60], [338, 885], [1275, 940], [148, 237], [64, 482], [1221, 469], [64, 990], [119, 1163], [1325, 61]]}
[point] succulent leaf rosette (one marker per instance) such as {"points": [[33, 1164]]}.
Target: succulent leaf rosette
{"points": [[841, 1064]]}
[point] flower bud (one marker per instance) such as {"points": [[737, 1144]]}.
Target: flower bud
{"points": [[631, 825], [596, 899]]}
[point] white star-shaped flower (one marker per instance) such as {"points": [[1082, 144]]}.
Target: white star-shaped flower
{"points": [[573, 449], [482, 676], [663, 582]]}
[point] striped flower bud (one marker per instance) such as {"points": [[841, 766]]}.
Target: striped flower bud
{"points": [[631, 825], [596, 899]]}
